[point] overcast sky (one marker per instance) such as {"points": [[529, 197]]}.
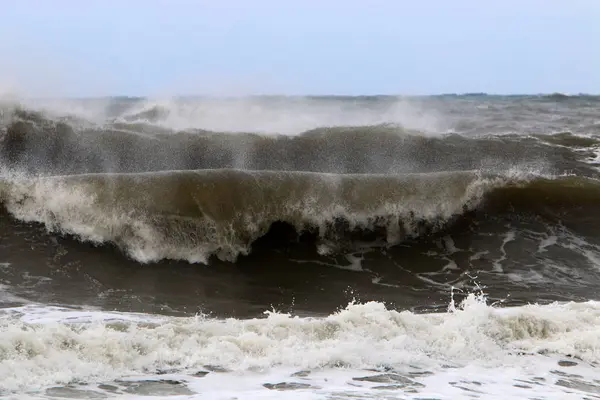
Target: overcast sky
{"points": [[167, 47]]}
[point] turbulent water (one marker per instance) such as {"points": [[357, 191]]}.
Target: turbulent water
{"points": [[343, 248]]}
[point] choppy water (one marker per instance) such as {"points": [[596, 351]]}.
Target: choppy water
{"points": [[401, 247]]}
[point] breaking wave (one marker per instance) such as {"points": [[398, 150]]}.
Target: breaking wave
{"points": [[193, 215]]}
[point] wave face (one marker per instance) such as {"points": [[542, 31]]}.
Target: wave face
{"points": [[192, 215]]}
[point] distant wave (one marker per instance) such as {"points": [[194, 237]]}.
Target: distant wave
{"points": [[549, 96], [40, 145]]}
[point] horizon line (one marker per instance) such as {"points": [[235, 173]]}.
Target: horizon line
{"points": [[183, 96]]}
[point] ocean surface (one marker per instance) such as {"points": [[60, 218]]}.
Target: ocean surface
{"points": [[443, 247]]}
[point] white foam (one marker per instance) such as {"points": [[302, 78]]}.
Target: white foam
{"points": [[508, 237], [595, 158], [45, 347]]}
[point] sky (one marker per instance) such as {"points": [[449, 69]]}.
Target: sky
{"points": [[337, 47]]}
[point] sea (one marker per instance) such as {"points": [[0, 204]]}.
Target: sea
{"points": [[326, 247]]}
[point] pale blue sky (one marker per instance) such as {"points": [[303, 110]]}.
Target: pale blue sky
{"points": [[164, 47]]}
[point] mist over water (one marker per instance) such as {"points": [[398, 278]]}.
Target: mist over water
{"points": [[124, 219]]}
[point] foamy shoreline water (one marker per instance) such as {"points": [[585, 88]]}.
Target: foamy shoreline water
{"points": [[364, 349]]}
